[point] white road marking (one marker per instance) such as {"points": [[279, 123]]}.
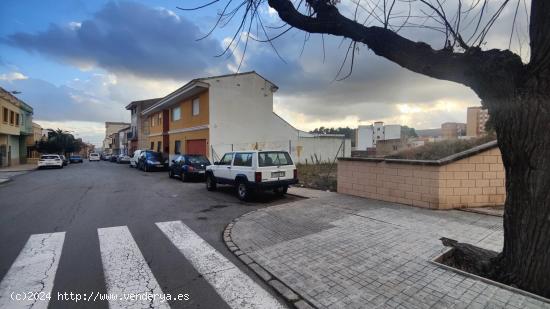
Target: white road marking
{"points": [[126, 271], [32, 273], [234, 286]]}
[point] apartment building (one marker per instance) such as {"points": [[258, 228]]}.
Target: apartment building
{"points": [[139, 127], [475, 121], [15, 126], [213, 115], [367, 136], [452, 130], [110, 129]]}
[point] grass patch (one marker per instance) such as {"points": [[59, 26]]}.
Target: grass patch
{"points": [[440, 150], [320, 176]]}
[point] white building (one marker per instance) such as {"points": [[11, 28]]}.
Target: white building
{"points": [[368, 135], [214, 115]]}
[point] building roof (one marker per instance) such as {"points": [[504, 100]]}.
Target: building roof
{"points": [[145, 103], [115, 123], [6, 95], [194, 87]]}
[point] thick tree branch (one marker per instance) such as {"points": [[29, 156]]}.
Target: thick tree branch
{"points": [[539, 34], [475, 68]]}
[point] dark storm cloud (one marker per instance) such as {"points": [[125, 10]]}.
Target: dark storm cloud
{"points": [[127, 37]]}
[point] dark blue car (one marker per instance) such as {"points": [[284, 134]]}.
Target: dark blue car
{"points": [[75, 159], [190, 166]]}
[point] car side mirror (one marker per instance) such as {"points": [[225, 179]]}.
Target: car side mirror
{"points": [[216, 163]]}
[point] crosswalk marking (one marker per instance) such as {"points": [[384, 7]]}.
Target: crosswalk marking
{"points": [[126, 271], [236, 288], [32, 272]]}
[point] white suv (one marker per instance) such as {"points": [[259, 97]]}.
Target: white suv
{"points": [[253, 170]]}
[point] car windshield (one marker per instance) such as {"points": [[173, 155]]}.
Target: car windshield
{"points": [[157, 156], [198, 160], [75, 157], [49, 157], [274, 158]]}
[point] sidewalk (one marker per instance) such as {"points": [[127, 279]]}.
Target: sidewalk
{"points": [[6, 173], [339, 251]]}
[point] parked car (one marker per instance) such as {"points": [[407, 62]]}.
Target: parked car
{"points": [[65, 160], [113, 158], [253, 171], [188, 166], [151, 160], [135, 158], [123, 159], [52, 160], [106, 157], [94, 157], [76, 159]]}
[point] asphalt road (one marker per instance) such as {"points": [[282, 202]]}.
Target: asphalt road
{"points": [[82, 198]]}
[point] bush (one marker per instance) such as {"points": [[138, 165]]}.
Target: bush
{"points": [[440, 150]]}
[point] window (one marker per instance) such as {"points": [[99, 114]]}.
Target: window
{"points": [[159, 146], [12, 117], [16, 119], [227, 158], [152, 145], [274, 158], [5, 118], [196, 107], [177, 147], [243, 159], [176, 113]]}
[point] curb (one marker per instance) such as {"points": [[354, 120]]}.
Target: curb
{"points": [[291, 296]]}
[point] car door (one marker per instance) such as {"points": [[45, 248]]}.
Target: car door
{"points": [[223, 170], [242, 166]]}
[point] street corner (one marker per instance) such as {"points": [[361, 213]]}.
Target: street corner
{"points": [[292, 297]]}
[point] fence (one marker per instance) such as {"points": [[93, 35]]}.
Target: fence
{"points": [[306, 150]]}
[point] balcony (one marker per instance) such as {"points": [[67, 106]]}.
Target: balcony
{"points": [[26, 124]]}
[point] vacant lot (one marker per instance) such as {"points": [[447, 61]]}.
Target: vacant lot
{"points": [[318, 176]]}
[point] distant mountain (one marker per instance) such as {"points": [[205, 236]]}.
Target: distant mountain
{"points": [[429, 132]]}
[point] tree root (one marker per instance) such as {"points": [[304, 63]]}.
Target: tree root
{"points": [[470, 258]]}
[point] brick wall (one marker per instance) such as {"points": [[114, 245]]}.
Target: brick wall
{"points": [[474, 181]]}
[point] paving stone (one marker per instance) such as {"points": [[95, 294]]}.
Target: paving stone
{"points": [[301, 304], [245, 259], [260, 271], [341, 251], [285, 291]]}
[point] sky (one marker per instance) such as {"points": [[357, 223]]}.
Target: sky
{"points": [[78, 63]]}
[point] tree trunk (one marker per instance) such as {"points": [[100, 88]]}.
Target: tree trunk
{"points": [[523, 129]]}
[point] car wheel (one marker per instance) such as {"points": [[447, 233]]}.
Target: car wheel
{"points": [[243, 192], [210, 183]]}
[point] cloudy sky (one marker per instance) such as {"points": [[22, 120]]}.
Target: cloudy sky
{"points": [[78, 63]]}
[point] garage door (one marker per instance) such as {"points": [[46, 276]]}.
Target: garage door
{"points": [[196, 146]]}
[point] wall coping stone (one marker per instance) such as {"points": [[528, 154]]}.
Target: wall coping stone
{"points": [[452, 158]]}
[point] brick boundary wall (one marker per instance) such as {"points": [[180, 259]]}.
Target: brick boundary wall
{"points": [[473, 178]]}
